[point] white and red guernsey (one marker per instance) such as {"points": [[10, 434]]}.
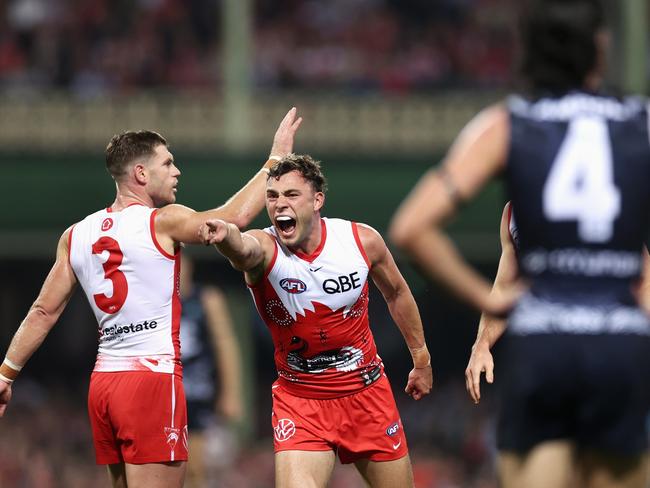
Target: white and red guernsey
{"points": [[132, 285], [316, 308]]}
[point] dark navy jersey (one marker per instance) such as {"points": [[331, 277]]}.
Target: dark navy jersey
{"points": [[199, 375], [578, 175]]}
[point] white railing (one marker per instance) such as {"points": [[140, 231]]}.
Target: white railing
{"points": [[369, 124]]}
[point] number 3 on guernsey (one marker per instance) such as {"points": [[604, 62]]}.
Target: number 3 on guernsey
{"points": [[114, 303], [580, 185]]}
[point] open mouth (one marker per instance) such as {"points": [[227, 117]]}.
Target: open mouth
{"points": [[285, 224]]}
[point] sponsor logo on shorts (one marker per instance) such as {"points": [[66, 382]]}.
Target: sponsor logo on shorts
{"points": [[393, 429], [293, 285], [118, 331], [107, 224], [396, 446], [284, 430]]}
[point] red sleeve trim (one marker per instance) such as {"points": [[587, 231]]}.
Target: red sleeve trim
{"points": [[70, 246], [357, 239], [510, 225], [268, 269], [152, 228]]}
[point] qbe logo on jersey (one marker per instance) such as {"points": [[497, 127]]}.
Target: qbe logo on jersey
{"points": [[284, 430], [293, 285]]}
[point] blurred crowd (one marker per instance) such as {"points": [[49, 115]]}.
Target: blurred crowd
{"points": [[46, 443], [98, 47]]}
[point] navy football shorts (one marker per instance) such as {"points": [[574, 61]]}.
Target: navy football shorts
{"points": [[593, 390]]}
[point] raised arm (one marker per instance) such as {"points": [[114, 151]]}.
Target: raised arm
{"points": [[478, 154], [402, 308], [41, 317], [490, 328], [177, 223]]}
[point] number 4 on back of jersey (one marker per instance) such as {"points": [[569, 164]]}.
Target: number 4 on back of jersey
{"points": [[580, 186]]}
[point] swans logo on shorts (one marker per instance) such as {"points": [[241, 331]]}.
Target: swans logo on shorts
{"points": [[173, 435], [293, 285], [284, 430], [107, 224]]}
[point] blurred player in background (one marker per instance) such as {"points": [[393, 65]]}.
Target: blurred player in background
{"points": [[491, 328], [575, 387], [308, 276], [212, 374], [126, 258]]}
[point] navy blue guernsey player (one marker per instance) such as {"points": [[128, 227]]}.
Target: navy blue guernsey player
{"points": [[212, 375], [575, 390]]}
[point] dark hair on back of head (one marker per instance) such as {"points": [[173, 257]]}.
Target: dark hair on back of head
{"points": [[558, 43], [303, 164], [128, 146]]}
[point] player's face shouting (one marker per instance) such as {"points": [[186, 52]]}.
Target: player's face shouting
{"points": [[293, 207]]}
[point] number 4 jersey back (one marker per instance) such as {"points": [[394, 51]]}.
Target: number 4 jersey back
{"points": [[132, 286], [578, 175]]}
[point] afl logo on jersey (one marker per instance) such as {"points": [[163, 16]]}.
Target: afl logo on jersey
{"points": [[293, 285], [107, 224]]}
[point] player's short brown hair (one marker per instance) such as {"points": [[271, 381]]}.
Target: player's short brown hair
{"points": [[128, 146], [303, 164]]}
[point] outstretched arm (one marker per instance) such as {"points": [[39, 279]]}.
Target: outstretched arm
{"points": [[490, 328], [41, 317], [248, 252], [478, 154], [177, 223], [402, 307]]}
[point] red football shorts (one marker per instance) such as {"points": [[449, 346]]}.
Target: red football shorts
{"points": [[365, 425], [138, 417]]}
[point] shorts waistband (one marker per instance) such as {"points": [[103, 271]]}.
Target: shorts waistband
{"points": [[157, 364]]}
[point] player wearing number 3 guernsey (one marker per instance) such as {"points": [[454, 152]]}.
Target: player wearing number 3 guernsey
{"points": [[127, 259], [575, 388], [308, 277]]}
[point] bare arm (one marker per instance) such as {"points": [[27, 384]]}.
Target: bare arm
{"points": [[249, 252], [490, 328], [402, 308], [177, 223], [228, 357], [41, 317], [643, 289], [478, 154]]}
